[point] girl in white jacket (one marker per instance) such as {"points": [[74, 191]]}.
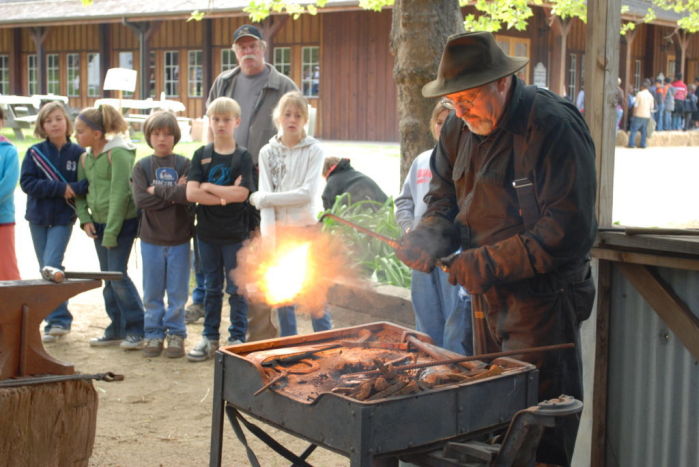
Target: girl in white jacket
{"points": [[290, 181]]}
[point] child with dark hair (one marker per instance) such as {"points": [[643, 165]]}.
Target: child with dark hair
{"points": [[166, 225], [50, 180], [108, 215], [9, 173]]}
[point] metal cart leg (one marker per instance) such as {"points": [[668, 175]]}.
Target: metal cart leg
{"points": [[217, 414]]}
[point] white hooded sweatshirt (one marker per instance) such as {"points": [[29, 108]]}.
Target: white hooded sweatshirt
{"points": [[290, 182]]}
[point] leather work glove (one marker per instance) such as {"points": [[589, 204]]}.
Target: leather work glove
{"points": [[463, 270], [433, 238]]}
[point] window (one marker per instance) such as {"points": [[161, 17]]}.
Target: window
{"points": [[93, 75], [637, 74], [671, 67], [126, 61], [228, 60], [4, 74], [73, 74], [517, 47], [194, 73], [172, 73], [310, 69], [573, 77], [31, 74], [151, 75], [53, 80], [282, 60]]}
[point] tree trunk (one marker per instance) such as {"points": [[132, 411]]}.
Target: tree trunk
{"points": [[419, 31]]}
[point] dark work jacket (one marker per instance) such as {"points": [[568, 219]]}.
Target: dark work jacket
{"points": [[472, 186], [345, 179]]}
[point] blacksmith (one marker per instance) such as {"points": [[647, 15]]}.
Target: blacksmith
{"points": [[514, 186]]}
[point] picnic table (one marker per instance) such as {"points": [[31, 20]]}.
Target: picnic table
{"points": [[136, 111], [21, 111]]}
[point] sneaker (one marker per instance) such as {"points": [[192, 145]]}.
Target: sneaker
{"points": [[231, 341], [48, 338], [132, 343], [104, 341], [193, 312], [204, 350], [153, 348], [58, 330], [175, 346]]}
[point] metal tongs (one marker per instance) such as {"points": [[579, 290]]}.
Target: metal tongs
{"points": [[441, 263]]}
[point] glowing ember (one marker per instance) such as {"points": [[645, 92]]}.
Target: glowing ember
{"points": [[286, 276]]}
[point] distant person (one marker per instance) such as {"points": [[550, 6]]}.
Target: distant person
{"points": [[166, 226], [50, 180], [289, 191], [342, 178], [442, 311], [658, 91], [691, 107], [641, 114], [619, 103], [107, 214], [220, 181], [678, 116], [9, 174], [257, 87], [580, 101], [669, 104]]}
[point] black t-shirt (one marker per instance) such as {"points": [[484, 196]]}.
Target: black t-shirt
{"points": [[222, 224]]}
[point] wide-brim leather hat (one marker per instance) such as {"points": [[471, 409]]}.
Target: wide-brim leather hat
{"points": [[470, 60]]}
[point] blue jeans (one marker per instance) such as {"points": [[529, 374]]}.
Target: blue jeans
{"points": [[215, 260], [50, 242], [440, 311], [199, 288], [667, 120], [165, 269], [659, 118], [287, 321], [121, 300], [638, 123], [677, 120], [619, 114]]}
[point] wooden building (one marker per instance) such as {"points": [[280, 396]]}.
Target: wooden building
{"points": [[339, 58]]}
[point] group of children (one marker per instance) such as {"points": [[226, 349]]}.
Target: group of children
{"points": [[158, 200]]}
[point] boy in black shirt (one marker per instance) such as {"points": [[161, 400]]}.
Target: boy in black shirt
{"points": [[220, 181]]}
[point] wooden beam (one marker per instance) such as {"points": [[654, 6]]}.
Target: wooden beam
{"points": [[105, 57], [601, 72], [671, 309], [17, 71], [207, 58], [560, 29], [633, 257], [38, 35], [598, 452]]}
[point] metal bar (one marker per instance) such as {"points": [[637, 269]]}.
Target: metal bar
{"points": [[544, 348], [13, 383], [388, 241], [650, 231]]}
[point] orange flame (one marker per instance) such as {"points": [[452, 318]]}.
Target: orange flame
{"points": [[299, 270]]}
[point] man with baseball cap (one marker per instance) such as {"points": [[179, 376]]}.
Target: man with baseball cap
{"points": [[257, 87], [513, 186]]}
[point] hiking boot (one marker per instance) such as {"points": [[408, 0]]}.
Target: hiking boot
{"points": [[204, 350], [193, 312], [175, 346], [132, 343], [58, 330], [153, 348], [104, 341], [48, 338]]}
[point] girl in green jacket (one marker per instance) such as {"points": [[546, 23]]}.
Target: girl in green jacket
{"points": [[108, 215]]}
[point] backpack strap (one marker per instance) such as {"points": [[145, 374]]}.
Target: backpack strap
{"points": [[524, 165]]}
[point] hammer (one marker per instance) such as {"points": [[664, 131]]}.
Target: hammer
{"points": [[52, 274], [441, 263]]}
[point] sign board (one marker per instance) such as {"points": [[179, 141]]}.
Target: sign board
{"points": [[120, 79]]}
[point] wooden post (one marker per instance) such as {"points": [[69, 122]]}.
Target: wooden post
{"points": [[601, 72], [39, 36], [560, 29]]}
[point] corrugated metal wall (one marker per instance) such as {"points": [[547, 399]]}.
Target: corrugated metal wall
{"points": [[653, 405]]}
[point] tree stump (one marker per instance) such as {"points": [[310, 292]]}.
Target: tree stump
{"points": [[49, 424]]}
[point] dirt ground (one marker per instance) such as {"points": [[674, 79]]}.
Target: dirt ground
{"points": [[160, 415]]}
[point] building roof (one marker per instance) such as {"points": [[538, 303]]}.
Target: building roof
{"points": [[48, 12]]}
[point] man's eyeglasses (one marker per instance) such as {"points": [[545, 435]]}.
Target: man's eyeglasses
{"points": [[463, 101]]}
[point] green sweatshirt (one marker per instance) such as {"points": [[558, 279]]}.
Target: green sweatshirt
{"points": [[108, 200]]}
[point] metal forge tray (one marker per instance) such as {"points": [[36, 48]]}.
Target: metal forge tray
{"points": [[365, 430]]}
